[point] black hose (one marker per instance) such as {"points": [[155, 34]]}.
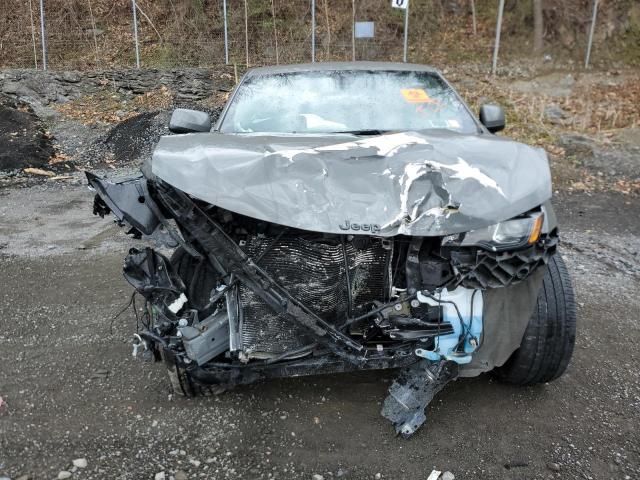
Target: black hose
{"points": [[464, 329], [154, 338], [351, 321]]}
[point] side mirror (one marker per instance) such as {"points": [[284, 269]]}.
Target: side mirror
{"points": [[185, 121], [492, 117]]}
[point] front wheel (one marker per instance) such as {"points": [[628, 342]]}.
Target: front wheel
{"points": [[548, 341]]}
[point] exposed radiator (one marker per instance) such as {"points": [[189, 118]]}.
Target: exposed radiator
{"points": [[313, 272]]}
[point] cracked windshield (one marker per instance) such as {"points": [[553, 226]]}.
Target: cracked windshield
{"points": [[361, 102]]}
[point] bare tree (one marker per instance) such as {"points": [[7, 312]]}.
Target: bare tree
{"points": [[326, 16], [275, 29], [538, 26], [33, 36], [95, 34], [149, 20], [473, 16]]}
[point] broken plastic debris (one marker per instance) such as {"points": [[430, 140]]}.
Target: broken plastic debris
{"points": [[434, 475], [438, 475], [178, 303], [412, 391]]}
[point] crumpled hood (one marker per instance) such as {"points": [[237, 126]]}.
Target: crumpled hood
{"points": [[413, 183]]}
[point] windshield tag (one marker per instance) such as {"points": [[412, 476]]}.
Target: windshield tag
{"points": [[415, 95]]}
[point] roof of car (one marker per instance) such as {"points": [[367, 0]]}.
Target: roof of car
{"points": [[332, 66]]}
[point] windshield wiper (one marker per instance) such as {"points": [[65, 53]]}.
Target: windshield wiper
{"points": [[364, 132]]}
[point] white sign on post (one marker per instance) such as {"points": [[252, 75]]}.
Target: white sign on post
{"points": [[364, 29], [403, 4]]}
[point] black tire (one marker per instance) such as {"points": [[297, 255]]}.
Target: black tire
{"points": [[183, 384], [198, 277], [548, 341]]}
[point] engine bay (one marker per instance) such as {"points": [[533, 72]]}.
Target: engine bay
{"points": [[243, 299]]}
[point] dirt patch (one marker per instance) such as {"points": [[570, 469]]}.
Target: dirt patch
{"points": [[136, 136], [107, 107], [24, 141], [587, 123], [132, 141], [127, 143]]}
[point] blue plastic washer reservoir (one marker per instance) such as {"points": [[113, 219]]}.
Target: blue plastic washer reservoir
{"points": [[466, 321]]}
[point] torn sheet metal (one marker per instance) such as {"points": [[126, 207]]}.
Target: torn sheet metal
{"points": [[413, 183]]}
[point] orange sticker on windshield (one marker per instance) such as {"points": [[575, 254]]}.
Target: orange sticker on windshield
{"points": [[415, 95]]}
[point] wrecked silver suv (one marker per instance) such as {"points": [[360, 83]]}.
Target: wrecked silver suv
{"points": [[346, 217]]}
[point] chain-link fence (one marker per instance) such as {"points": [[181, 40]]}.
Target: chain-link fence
{"points": [[100, 34]]}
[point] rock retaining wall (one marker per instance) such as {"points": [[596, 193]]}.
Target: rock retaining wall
{"points": [[47, 86]]}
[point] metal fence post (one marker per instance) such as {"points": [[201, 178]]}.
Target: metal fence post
{"points": [[496, 47], [406, 32], [246, 32], [226, 38], [591, 31], [135, 32], [313, 30], [43, 37]]}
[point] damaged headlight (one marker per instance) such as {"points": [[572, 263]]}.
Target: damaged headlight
{"points": [[514, 233]]}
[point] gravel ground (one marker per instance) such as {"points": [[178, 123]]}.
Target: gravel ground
{"points": [[75, 404], [73, 391]]}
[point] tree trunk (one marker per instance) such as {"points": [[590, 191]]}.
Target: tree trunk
{"points": [[538, 26]]}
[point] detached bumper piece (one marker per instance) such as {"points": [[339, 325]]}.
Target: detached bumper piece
{"points": [[412, 391], [134, 208]]}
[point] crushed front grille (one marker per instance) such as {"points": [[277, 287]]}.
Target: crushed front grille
{"points": [[313, 272]]}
